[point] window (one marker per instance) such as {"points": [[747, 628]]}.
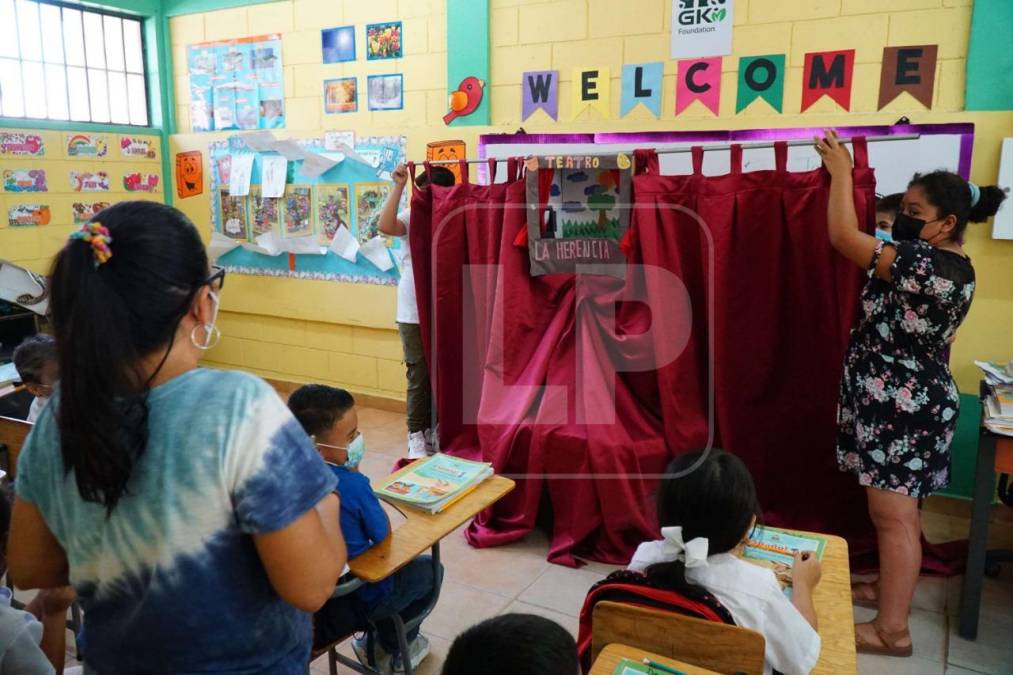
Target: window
{"points": [[60, 62]]}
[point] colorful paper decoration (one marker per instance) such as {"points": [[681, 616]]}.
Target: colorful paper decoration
{"points": [[86, 145], [338, 44], [17, 144], [28, 215], [540, 91], [137, 147], [591, 89], [910, 69], [265, 213], [25, 180], [298, 212], [233, 215], [465, 99], [384, 41], [333, 211], [341, 95], [140, 182], [82, 212], [189, 174], [761, 77], [448, 151], [830, 74], [701, 28], [642, 84], [369, 199], [698, 80]]}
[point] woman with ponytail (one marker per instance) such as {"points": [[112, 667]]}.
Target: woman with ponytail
{"points": [[186, 506], [707, 507], [898, 402]]}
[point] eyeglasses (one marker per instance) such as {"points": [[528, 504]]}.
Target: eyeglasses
{"points": [[217, 277]]}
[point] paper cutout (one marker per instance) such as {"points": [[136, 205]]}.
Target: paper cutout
{"points": [[189, 174], [828, 73], [369, 199], [383, 41], [27, 180], [298, 211], [237, 84], [85, 181], [341, 95], [334, 140], [642, 84], [273, 171], [82, 212], [468, 51], [761, 77], [701, 28], [316, 165], [591, 89], [233, 215], [333, 211], [240, 173], [291, 150], [86, 145], [910, 69], [698, 80], [443, 151], [344, 244], [304, 245], [465, 99], [137, 147], [219, 245], [17, 144], [375, 251], [338, 44], [268, 243], [140, 182], [540, 91], [28, 215], [259, 141], [385, 92]]}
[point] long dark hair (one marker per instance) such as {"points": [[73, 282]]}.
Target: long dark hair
{"points": [[107, 319], [709, 493], [951, 194]]}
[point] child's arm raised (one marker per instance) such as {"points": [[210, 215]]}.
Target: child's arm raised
{"points": [[389, 224]]}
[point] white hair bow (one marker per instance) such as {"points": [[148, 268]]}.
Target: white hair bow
{"points": [[693, 552]]}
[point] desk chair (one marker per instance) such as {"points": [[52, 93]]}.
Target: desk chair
{"points": [[716, 646], [401, 628]]}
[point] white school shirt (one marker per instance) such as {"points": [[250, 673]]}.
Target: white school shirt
{"points": [[38, 403], [407, 307]]}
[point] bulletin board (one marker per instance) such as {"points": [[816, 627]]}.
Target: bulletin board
{"points": [[350, 194]]}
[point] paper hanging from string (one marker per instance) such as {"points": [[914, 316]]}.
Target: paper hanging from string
{"points": [[273, 169], [240, 173]]}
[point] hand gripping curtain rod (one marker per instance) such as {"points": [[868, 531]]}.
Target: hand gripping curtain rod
{"points": [[706, 148]]}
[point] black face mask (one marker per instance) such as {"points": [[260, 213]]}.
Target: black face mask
{"points": [[907, 228]]}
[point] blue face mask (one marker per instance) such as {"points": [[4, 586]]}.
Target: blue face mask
{"points": [[356, 450], [884, 235]]}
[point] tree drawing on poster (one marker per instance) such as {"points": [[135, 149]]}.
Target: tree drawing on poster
{"points": [[237, 84]]}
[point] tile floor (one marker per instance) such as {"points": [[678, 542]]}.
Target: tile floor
{"points": [[481, 583]]}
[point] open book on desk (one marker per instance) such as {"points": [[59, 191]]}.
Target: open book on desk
{"points": [[774, 548], [434, 483]]}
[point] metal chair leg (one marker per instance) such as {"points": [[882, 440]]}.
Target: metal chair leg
{"points": [[332, 660], [402, 643]]}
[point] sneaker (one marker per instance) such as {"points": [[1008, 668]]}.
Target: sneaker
{"points": [[382, 658], [418, 649], [432, 443], [417, 445]]}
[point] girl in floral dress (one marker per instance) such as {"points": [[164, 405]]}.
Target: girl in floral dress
{"points": [[898, 402]]}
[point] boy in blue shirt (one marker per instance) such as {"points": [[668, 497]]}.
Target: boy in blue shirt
{"points": [[328, 415]]}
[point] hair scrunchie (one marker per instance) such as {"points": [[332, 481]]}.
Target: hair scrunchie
{"points": [[97, 236], [975, 192]]}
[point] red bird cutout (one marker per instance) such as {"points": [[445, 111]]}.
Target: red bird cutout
{"points": [[464, 101]]}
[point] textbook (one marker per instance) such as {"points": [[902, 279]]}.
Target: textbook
{"points": [[630, 667], [434, 483], [774, 548]]}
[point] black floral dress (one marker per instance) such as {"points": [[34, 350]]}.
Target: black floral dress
{"points": [[898, 405]]}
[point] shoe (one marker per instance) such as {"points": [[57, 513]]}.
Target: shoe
{"points": [[418, 649], [432, 443], [382, 658], [417, 445]]}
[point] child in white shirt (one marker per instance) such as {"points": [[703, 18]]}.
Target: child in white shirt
{"points": [[707, 506], [35, 361]]}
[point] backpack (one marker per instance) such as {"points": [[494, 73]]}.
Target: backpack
{"points": [[633, 588]]}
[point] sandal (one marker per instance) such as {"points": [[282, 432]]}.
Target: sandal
{"points": [[859, 600], [888, 646]]}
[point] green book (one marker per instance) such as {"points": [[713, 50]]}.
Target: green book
{"points": [[628, 667]]}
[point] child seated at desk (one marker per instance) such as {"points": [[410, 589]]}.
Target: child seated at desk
{"points": [[328, 415], [706, 508], [35, 361], [513, 644]]}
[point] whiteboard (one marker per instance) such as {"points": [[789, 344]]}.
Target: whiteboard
{"points": [[938, 146]]}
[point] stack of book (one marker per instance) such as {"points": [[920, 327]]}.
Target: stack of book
{"points": [[434, 483], [996, 373], [999, 409]]}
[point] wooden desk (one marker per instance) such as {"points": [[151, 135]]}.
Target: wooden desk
{"points": [[422, 531], [613, 654], [834, 611], [12, 436]]}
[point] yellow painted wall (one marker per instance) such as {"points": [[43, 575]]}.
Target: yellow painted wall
{"points": [[344, 333], [33, 247]]}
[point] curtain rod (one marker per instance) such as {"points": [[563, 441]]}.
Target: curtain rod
{"points": [[715, 146]]}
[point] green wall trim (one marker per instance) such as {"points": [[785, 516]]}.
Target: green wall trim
{"points": [[179, 7], [468, 53], [60, 125]]}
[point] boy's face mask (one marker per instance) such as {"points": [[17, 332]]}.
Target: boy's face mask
{"points": [[356, 450], [883, 234]]}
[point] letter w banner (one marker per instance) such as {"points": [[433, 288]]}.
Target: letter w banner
{"points": [[828, 73], [540, 91], [698, 80], [760, 77], [910, 69]]}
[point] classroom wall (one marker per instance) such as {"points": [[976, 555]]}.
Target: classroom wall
{"points": [[34, 246], [344, 333]]}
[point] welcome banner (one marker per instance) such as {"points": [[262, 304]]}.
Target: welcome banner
{"points": [[910, 69], [540, 91], [698, 80], [828, 74], [642, 84], [761, 77], [591, 89]]}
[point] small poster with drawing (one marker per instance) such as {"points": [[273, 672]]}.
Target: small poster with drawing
{"points": [[265, 213], [333, 211], [233, 215], [298, 211], [369, 199]]}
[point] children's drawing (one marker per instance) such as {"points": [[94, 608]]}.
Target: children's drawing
{"points": [[17, 144], [298, 213], [333, 211], [233, 215], [265, 213], [28, 215], [85, 211], [140, 182], [143, 148], [25, 180], [86, 145], [369, 199], [85, 181]]}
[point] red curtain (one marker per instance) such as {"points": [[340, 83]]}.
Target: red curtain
{"points": [[527, 370]]}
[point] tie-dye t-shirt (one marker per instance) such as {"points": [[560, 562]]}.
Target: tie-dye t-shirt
{"points": [[171, 582]]}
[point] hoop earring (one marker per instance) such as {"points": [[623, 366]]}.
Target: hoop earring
{"points": [[212, 334]]}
